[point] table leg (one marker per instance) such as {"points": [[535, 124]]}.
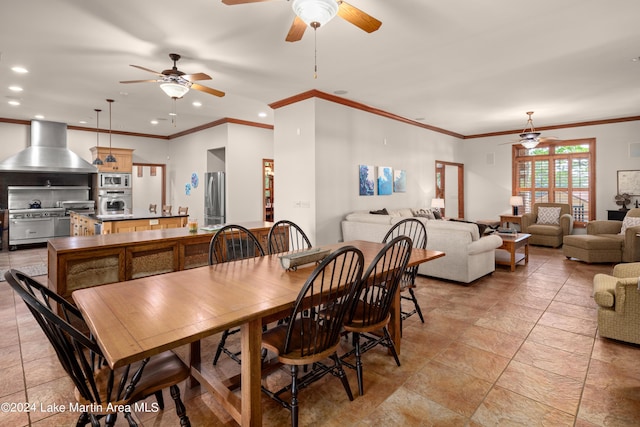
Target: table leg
{"points": [[526, 253], [194, 360], [395, 324], [512, 251], [251, 342]]}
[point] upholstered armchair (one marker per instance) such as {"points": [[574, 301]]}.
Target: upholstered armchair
{"points": [[629, 240], [618, 299], [548, 225]]}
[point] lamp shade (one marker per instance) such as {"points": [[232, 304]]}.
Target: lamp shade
{"points": [[174, 90], [319, 11], [437, 203], [516, 201]]}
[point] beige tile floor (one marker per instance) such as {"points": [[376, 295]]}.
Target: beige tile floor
{"points": [[511, 349]]}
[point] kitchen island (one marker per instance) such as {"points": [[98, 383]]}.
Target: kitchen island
{"points": [[78, 262], [83, 224]]}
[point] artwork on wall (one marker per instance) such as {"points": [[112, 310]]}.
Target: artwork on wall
{"points": [[385, 180], [629, 182], [366, 180], [399, 181], [187, 189]]}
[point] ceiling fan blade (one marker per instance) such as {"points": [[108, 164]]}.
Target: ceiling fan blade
{"points": [[549, 139], [297, 30], [233, 2], [146, 69], [206, 89], [140, 81], [358, 18], [196, 77]]}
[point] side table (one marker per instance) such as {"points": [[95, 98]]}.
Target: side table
{"points": [[511, 243], [511, 219]]}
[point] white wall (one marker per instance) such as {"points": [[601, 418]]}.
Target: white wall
{"points": [[323, 160], [245, 147]]}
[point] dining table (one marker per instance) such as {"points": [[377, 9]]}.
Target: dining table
{"points": [[139, 318]]}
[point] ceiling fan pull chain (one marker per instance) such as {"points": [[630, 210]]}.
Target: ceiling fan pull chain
{"points": [[315, 51]]}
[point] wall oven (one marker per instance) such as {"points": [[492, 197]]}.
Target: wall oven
{"points": [[114, 202], [114, 180]]}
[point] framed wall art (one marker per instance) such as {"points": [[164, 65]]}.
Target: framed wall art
{"points": [[385, 180], [629, 182], [366, 180]]}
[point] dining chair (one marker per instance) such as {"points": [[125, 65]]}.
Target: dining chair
{"points": [[230, 243], [153, 208], [371, 311], [166, 209], [98, 386], [417, 232], [183, 210], [286, 236], [312, 332]]}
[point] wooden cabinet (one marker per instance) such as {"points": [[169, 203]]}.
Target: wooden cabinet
{"points": [[124, 159], [82, 225], [127, 225]]}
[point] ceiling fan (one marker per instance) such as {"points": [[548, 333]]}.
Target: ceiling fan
{"points": [[176, 83], [316, 13], [529, 138]]}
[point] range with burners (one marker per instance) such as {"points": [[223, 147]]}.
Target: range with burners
{"points": [[38, 213]]}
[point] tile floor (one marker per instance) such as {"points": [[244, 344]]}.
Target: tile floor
{"points": [[511, 349]]}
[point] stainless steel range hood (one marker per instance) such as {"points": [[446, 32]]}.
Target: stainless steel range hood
{"points": [[47, 152]]}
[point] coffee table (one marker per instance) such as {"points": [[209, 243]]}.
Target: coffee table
{"points": [[508, 254]]}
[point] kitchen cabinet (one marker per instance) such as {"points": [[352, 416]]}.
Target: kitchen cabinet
{"points": [[124, 159]]}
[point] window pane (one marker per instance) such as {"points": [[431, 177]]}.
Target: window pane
{"points": [[561, 197], [580, 204], [580, 173], [562, 149], [542, 197], [524, 174], [562, 173], [542, 173]]}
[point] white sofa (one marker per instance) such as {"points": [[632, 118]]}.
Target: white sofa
{"points": [[468, 256]]}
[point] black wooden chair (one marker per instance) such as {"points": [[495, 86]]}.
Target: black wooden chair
{"points": [[287, 236], [416, 231], [312, 332], [371, 312], [97, 385], [230, 243]]}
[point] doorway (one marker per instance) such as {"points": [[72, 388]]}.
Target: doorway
{"points": [[148, 185], [267, 184], [450, 187]]}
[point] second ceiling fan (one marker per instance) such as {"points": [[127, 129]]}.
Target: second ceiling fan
{"points": [[315, 13]]}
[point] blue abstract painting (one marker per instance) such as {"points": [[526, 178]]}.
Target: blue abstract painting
{"points": [[367, 180], [385, 180], [399, 181]]}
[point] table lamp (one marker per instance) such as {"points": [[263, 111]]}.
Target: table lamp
{"points": [[516, 201], [437, 204]]}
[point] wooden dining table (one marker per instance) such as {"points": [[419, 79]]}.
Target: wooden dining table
{"points": [[139, 318]]}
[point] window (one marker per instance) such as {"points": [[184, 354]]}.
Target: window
{"points": [[559, 172]]}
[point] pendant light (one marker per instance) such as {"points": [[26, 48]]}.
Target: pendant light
{"points": [[110, 158], [97, 161]]}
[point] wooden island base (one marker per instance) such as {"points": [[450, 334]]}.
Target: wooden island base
{"points": [[86, 261]]}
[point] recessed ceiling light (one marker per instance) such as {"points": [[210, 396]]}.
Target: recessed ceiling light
{"points": [[340, 92], [15, 88], [154, 122], [636, 59], [19, 70], [83, 122], [262, 114], [418, 119], [39, 116], [196, 104], [14, 102], [173, 114]]}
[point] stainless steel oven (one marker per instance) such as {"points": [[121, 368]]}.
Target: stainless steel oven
{"points": [[114, 202], [33, 225]]}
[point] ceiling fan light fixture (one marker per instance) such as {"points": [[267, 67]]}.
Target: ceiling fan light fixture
{"points": [[174, 90], [529, 143], [315, 11]]}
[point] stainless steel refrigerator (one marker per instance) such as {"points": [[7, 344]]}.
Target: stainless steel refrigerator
{"points": [[214, 198]]}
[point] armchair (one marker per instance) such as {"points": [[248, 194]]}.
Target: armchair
{"points": [[605, 242], [618, 299], [547, 233]]}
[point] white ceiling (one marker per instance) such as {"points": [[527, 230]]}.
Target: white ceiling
{"points": [[468, 67]]}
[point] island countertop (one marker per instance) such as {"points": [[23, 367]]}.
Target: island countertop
{"points": [[136, 214]]}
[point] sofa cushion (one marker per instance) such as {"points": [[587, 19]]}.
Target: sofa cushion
{"points": [[405, 213], [548, 215], [366, 217], [481, 227], [629, 222], [423, 213], [544, 230]]}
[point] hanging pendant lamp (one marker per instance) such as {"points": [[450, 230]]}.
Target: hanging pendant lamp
{"points": [[97, 161], [110, 158]]}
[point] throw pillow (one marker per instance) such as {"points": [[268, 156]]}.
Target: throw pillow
{"points": [[629, 222], [382, 211], [481, 227], [423, 213], [548, 215]]}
